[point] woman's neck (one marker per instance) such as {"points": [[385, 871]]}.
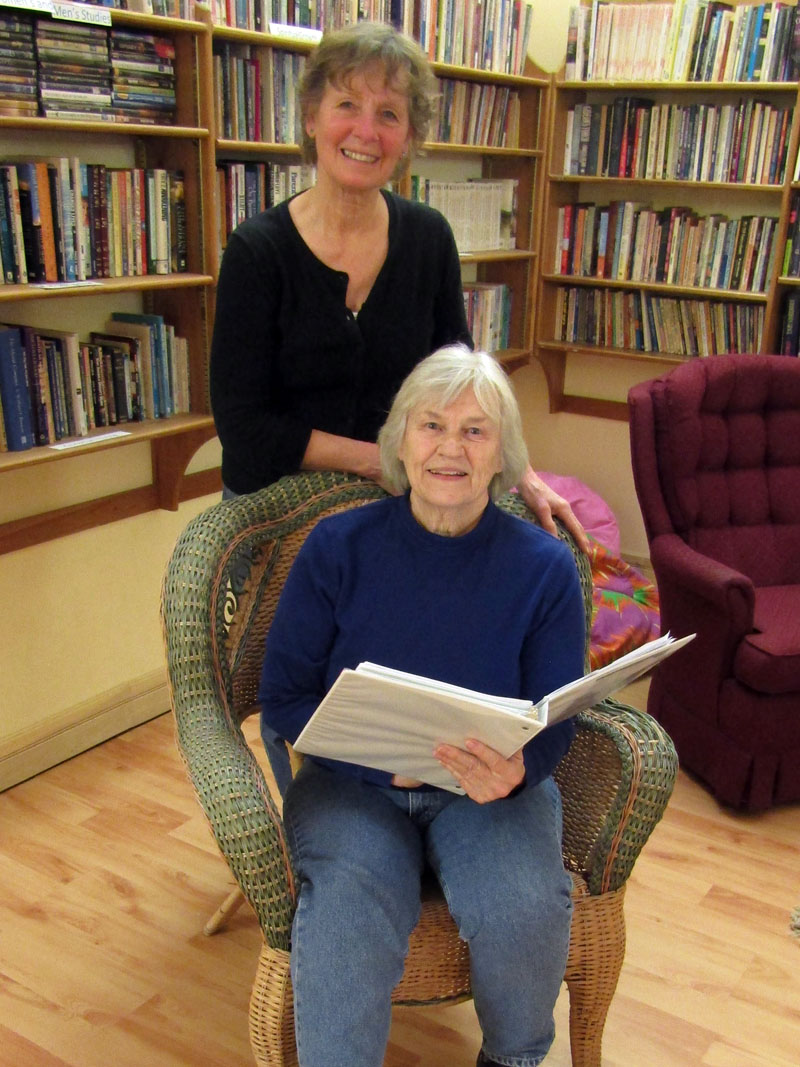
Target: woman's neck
{"points": [[332, 212], [447, 522]]}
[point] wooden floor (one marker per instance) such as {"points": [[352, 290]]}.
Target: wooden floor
{"points": [[108, 872]]}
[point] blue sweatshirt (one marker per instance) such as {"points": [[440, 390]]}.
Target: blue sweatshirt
{"points": [[498, 609]]}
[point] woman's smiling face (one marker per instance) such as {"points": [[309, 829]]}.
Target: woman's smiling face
{"points": [[361, 129], [450, 454]]}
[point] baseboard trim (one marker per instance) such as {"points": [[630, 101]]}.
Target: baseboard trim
{"points": [[76, 729]]}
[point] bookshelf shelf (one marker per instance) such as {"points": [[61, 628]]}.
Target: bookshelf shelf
{"points": [[256, 148], [141, 283], [445, 148], [666, 183], [34, 125], [104, 438], [686, 291], [614, 353], [691, 87], [171, 448]]}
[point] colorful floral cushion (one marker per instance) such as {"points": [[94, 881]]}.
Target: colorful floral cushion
{"points": [[626, 611]]}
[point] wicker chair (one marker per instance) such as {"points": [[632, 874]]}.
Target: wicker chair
{"points": [[219, 595]]}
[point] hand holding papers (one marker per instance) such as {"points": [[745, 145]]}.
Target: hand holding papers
{"points": [[392, 721]]}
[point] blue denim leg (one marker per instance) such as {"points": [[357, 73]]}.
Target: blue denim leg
{"points": [[502, 872], [359, 860], [278, 756]]}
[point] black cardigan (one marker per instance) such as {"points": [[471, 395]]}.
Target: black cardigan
{"points": [[288, 356]]}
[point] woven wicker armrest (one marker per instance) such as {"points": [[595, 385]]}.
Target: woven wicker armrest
{"points": [[219, 593], [242, 815], [615, 782]]}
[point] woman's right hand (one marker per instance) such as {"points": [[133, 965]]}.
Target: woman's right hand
{"points": [[331, 452]]}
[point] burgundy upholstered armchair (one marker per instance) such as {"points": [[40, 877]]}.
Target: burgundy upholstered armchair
{"points": [[715, 446]]}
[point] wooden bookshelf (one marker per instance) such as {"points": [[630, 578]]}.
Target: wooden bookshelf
{"points": [[658, 189], [182, 298]]}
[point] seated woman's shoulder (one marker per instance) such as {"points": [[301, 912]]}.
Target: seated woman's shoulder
{"points": [[532, 537]]}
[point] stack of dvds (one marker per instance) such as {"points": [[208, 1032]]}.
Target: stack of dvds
{"points": [[142, 77], [74, 73], [17, 65]]}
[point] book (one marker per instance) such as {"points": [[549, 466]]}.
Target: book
{"points": [[391, 720], [14, 391], [160, 375]]}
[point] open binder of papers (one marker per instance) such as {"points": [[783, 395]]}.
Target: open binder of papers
{"points": [[392, 721]]}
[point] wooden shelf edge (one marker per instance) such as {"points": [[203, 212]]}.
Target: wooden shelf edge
{"points": [[683, 86], [141, 129], [134, 283], [593, 407], [61, 522], [667, 289], [661, 183], [98, 441]]}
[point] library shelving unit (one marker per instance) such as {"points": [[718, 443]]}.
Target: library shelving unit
{"points": [[574, 182], [515, 267], [180, 297]]}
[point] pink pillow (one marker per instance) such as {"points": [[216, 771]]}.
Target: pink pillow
{"points": [[590, 509]]}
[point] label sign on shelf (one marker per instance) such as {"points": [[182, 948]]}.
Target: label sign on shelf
{"points": [[81, 442], [295, 33], [29, 5], [97, 16], [64, 9]]}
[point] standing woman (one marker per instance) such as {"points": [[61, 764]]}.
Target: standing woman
{"points": [[326, 301]]}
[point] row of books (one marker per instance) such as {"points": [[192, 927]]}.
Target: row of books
{"points": [[255, 93], [72, 70], [745, 142], [688, 40], [476, 114], [645, 322], [484, 34], [54, 385], [315, 15], [245, 189], [64, 220], [488, 308], [628, 241], [482, 213]]}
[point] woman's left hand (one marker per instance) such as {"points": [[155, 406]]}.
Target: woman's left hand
{"points": [[546, 504], [482, 773]]}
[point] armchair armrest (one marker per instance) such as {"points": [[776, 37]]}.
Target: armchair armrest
{"points": [[699, 595], [240, 810], [615, 782], [724, 589], [226, 777]]}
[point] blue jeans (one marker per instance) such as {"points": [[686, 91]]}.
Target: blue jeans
{"points": [[360, 851]]}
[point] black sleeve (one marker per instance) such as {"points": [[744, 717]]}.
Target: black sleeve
{"points": [[259, 439]]}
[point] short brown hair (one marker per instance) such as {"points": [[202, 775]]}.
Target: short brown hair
{"points": [[350, 50]]}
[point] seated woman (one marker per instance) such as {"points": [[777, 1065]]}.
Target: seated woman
{"points": [[440, 582]]}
